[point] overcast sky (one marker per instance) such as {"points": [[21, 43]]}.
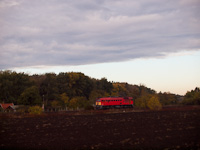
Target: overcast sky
{"points": [[69, 33]]}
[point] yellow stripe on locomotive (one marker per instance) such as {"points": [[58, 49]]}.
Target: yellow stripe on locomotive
{"points": [[98, 103]]}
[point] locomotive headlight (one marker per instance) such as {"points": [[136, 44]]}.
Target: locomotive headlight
{"points": [[98, 103]]}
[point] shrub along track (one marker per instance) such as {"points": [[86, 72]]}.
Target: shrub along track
{"points": [[170, 128]]}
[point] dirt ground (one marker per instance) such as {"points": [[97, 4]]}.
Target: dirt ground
{"points": [[170, 128]]}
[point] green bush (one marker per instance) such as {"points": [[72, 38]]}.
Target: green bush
{"points": [[141, 102], [154, 103], [78, 102], [150, 101], [192, 97], [36, 110]]}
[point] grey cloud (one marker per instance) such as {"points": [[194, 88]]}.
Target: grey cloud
{"points": [[92, 31]]}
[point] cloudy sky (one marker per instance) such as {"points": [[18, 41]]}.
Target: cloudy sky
{"points": [[152, 42]]}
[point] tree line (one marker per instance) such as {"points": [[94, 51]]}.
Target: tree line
{"points": [[74, 89]]}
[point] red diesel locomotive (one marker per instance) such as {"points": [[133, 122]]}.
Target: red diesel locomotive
{"points": [[114, 102]]}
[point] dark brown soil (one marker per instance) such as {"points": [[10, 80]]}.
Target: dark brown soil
{"points": [[171, 128]]}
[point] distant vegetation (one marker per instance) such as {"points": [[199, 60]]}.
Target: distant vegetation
{"points": [[75, 90], [192, 97], [35, 110]]}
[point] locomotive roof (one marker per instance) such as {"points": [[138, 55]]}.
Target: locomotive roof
{"points": [[113, 98]]}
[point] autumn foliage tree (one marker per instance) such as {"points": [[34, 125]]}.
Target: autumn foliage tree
{"points": [[12, 85], [30, 96], [78, 102], [73, 89], [35, 110], [168, 98], [192, 97], [64, 100], [154, 103], [150, 101], [141, 102]]}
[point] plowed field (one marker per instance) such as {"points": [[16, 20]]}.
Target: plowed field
{"points": [[171, 128]]}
